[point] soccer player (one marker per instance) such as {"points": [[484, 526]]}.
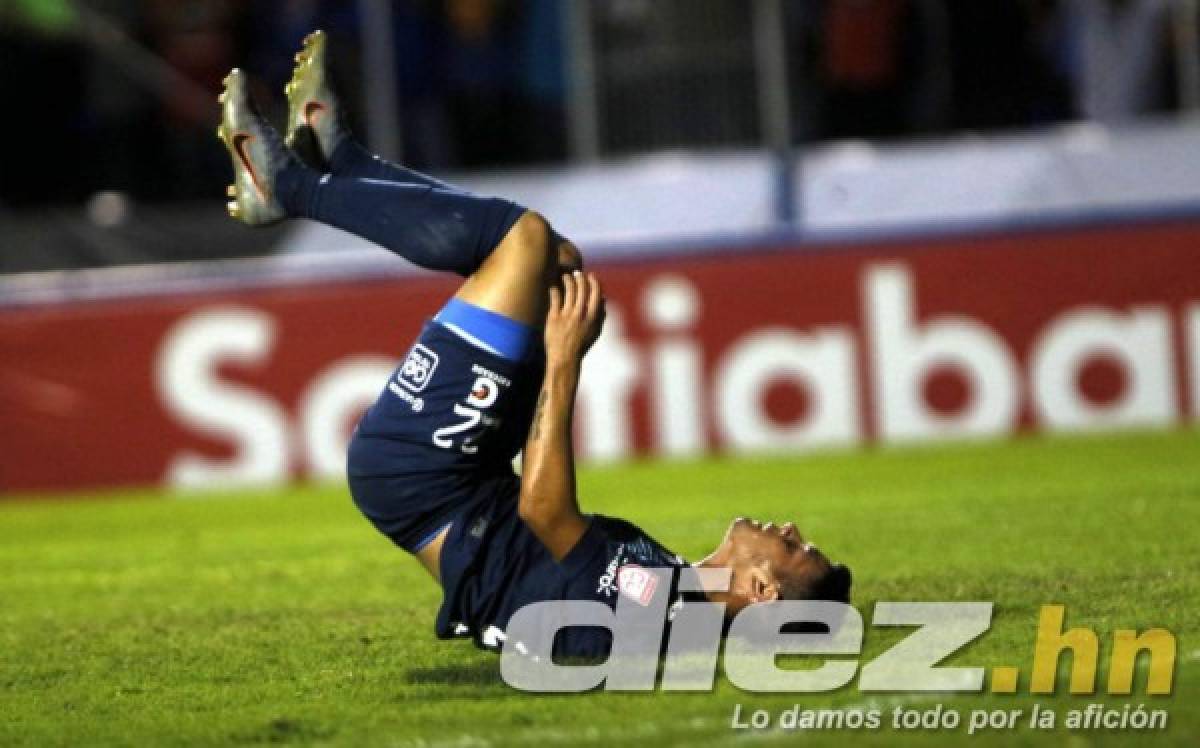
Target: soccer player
{"points": [[494, 371]]}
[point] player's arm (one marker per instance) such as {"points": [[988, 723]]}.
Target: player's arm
{"points": [[548, 504]]}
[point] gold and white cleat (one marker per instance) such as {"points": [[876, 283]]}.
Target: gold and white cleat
{"points": [[314, 124], [257, 153]]}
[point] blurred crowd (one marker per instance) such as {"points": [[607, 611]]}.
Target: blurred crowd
{"points": [[883, 68], [117, 94]]}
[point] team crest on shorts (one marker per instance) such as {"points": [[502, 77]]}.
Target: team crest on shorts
{"points": [[418, 368], [636, 583]]}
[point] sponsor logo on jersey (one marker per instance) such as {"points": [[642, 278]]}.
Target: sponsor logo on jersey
{"points": [[418, 368], [637, 584], [484, 393]]}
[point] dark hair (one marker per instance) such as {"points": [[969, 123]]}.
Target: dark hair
{"points": [[834, 585]]}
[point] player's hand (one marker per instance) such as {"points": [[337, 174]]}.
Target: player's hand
{"points": [[575, 317]]}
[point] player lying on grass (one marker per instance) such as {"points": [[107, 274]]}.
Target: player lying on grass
{"points": [[495, 370]]}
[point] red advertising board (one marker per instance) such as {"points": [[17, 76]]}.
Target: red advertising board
{"points": [[783, 349]]}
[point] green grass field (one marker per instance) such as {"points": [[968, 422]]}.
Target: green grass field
{"points": [[281, 617]]}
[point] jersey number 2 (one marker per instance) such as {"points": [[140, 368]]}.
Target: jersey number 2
{"points": [[482, 395]]}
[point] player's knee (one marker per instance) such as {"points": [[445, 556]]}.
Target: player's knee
{"points": [[548, 247], [540, 250], [532, 236]]}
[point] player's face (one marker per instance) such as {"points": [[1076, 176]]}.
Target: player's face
{"points": [[787, 553]]}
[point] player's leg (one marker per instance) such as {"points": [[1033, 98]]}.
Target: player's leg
{"points": [[508, 254], [436, 229], [317, 130], [512, 279]]}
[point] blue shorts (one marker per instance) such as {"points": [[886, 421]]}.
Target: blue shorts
{"points": [[443, 433]]}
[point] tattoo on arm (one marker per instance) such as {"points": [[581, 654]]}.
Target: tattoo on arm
{"points": [[537, 416]]}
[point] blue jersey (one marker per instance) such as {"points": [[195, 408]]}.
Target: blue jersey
{"points": [[436, 449], [492, 565]]}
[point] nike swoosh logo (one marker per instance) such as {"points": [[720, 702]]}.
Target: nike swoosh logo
{"points": [[311, 109], [240, 141]]}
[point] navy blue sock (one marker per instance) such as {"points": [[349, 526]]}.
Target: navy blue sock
{"points": [[436, 228], [349, 159]]}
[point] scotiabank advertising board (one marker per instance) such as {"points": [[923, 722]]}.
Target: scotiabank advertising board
{"points": [[781, 350]]}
